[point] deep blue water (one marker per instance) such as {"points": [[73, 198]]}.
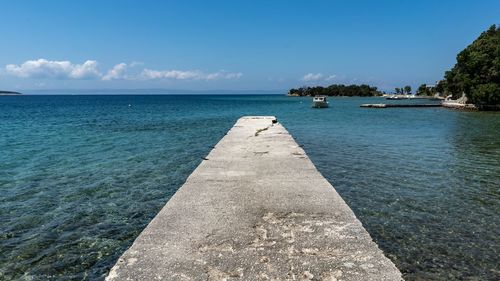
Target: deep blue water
{"points": [[81, 176]]}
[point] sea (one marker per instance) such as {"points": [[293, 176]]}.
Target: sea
{"points": [[82, 175]]}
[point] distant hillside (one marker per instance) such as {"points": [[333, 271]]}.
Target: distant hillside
{"points": [[9, 93]]}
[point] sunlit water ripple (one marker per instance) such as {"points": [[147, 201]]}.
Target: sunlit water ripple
{"points": [[81, 176]]}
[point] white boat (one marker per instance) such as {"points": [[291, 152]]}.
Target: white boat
{"points": [[394, 97], [319, 102]]}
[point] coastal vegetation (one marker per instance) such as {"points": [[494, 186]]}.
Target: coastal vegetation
{"points": [[426, 90], [336, 90], [476, 73], [406, 90]]}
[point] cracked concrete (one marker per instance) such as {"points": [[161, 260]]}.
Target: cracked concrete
{"points": [[256, 210]]}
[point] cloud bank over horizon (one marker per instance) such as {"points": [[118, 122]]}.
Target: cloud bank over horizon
{"points": [[53, 69], [45, 73]]}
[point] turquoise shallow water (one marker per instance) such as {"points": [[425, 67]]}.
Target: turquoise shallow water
{"points": [[81, 176]]}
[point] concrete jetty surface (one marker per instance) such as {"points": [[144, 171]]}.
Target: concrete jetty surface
{"points": [[256, 209], [383, 105]]}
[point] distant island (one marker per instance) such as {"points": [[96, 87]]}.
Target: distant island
{"points": [[336, 90], [9, 93]]}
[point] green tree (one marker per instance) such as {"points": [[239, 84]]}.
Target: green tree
{"points": [[440, 88], [477, 71], [422, 90], [407, 89]]}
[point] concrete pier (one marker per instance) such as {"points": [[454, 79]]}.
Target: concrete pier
{"points": [[383, 105], [255, 209]]}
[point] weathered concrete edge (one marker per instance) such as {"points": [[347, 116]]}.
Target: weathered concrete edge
{"points": [[146, 236]]}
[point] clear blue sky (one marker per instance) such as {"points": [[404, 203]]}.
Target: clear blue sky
{"points": [[233, 44]]}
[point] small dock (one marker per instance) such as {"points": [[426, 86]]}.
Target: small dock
{"points": [[256, 208], [383, 105]]}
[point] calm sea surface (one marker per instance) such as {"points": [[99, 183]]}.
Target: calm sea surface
{"points": [[81, 176]]}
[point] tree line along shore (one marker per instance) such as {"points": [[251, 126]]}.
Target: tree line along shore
{"points": [[474, 80], [336, 90]]}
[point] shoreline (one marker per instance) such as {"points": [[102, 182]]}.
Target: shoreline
{"points": [[471, 107]]}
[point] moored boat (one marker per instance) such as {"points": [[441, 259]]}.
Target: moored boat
{"points": [[319, 102], [396, 98]]}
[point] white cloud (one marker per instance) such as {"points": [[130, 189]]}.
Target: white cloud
{"points": [[43, 68], [330, 77], [222, 75], [188, 75], [136, 63], [117, 72], [170, 74], [312, 77]]}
